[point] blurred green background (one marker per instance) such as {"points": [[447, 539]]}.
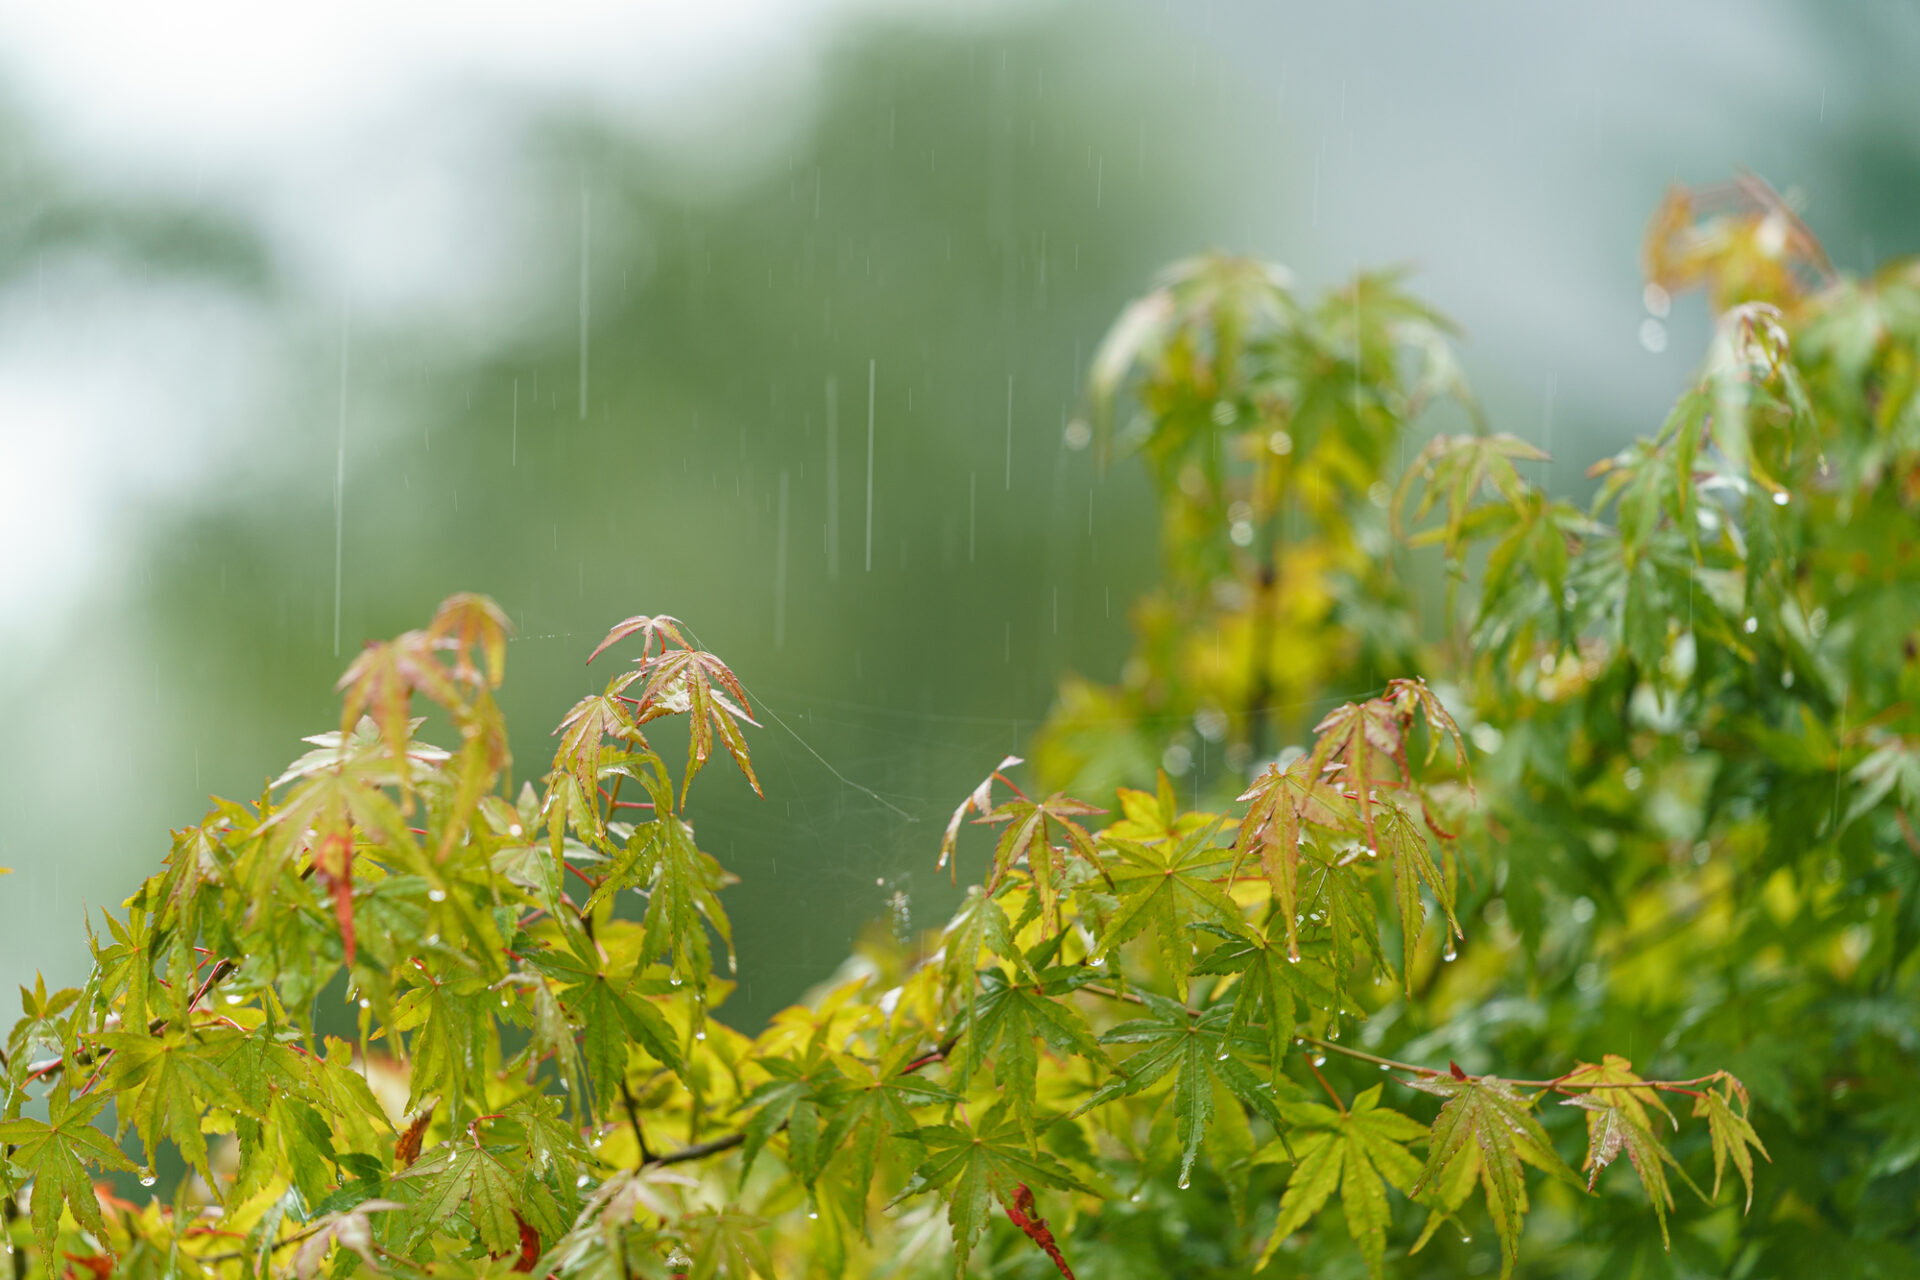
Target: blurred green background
{"points": [[597, 317]]}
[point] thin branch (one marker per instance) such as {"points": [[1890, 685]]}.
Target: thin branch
{"points": [[1557, 1085], [633, 1118], [1315, 1068]]}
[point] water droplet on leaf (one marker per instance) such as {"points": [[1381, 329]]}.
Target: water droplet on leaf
{"points": [[436, 895]]}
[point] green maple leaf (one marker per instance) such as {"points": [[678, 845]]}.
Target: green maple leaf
{"points": [[1484, 1120], [1008, 1017], [729, 1242], [1272, 983], [1031, 825], [871, 1110], [1455, 470], [549, 1139], [1283, 807], [979, 927], [790, 1100], [55, 1153], [1166, 886], [463, 1174], [165, 1084], [1147, 816], [1195, 1051], [1732, 1133], [1618, 1119], [448, 1016], [1361, 1151], [585, 733], [1411, 863], [682, 886], [973, 1165], [610, 1013]]}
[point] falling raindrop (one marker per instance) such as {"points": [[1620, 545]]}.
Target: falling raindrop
{"points": [[780, 571], [833, 479], [872, 367]]}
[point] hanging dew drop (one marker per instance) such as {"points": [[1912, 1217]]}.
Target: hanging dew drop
{"points": [[365, 1003], [1185, 1179], [436, 895], [813, 1215], [1450, 954], [148, 1177], [581, 1181], [699, 1035], [1319, 1059], [673, 981]]}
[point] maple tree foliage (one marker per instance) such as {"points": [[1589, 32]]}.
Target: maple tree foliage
{"points": [[1624, 829]]}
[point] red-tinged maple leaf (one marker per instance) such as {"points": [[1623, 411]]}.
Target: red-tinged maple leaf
{"points": [[699, 685], [1024, 1215], [529, 1246], [99, 1264], [979, 800], [659, 628], [406, 1148], [333, 863], [467, 623], [381, 682]]}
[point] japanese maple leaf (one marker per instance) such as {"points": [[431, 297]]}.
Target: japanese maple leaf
{"points": [[973, 1165], [1361, 1151], [1166, 886], [55, 1153]]}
